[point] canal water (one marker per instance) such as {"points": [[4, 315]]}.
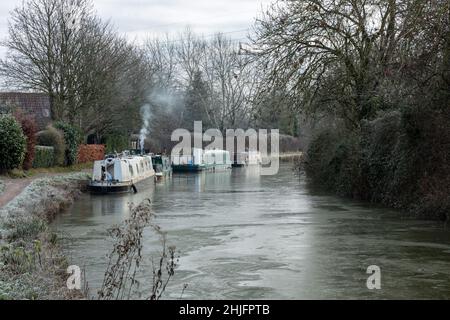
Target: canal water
{"points": [[245, 236]]}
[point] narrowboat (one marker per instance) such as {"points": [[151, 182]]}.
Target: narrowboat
{"points": [[200, 160], [189, 163], [162, 167], [217, 160], [120, 173], [248, 158]]}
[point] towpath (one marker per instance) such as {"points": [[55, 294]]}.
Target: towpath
{"points": [[13, 187]]}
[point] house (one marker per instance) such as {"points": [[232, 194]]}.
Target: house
{"points": [[34, 104]]}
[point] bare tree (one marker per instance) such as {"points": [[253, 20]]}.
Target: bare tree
{"points": [[333, 53]]}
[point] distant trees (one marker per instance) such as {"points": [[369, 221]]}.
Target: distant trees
{"points": [[196, 102], [209, 80]]}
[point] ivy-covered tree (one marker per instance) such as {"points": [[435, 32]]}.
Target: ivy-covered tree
{"points": [[72, 138]]}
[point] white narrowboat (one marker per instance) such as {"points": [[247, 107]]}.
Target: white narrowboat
{"points": [[202, 160], [217, 159], [119, 174]]}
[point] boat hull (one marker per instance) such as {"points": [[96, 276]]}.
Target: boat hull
{"points": [[109, 188], [200, 168], [188, 168]]}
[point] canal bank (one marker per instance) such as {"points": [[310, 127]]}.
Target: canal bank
{"points": [[31, 261]]}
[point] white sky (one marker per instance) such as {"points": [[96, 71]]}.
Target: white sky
{"points": [[140, 18]]}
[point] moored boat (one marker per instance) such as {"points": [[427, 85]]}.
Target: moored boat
{"points": [[248, 158], [162, 167], [200, 160], [120, 173]]}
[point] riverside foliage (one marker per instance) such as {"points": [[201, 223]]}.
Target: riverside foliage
{"points": [[373, 78]]}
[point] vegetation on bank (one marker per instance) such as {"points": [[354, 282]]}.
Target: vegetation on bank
{"points": [[31, 263], [12, 143], [121, 281], [26, 152], [399, 159], [372, 81]]}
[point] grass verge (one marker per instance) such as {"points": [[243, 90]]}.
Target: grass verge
{"points": [[19, 173], [31, 263]]}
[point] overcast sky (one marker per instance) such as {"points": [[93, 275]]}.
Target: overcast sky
{"points": [[139, 18]]}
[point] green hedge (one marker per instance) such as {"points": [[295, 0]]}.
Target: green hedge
{"points": [[72, 137], [13, 143], [44, 157], [51, 137]]}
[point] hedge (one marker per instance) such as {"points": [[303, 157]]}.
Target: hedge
{"points": [[44, 157], [51, 137], [90, 152], [12, 143]]}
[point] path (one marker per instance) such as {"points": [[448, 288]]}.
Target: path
{"points": [[13, 187]]}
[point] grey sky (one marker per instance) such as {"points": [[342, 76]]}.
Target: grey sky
{"points": [[139, 18]]}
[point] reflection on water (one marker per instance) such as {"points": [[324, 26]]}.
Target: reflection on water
{"points": [[245, 236]]}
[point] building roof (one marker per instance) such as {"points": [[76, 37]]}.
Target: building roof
{"points": [[34, 104]]}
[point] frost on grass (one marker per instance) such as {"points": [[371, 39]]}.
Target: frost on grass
{"points": [[31, 264]]}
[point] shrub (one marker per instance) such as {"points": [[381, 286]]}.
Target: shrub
{"points": [[29, 129], [12, 143], [52, 137], [44, 158], [72, 137], [382, 156], [333, 161], [90, 152], [399, 159]]}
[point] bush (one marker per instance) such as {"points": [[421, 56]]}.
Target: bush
{"points": [[333, 162], [52, 137], [90, 152], [44, 158], [72, 137], [12, 143], [400, 159], [28, 125]]}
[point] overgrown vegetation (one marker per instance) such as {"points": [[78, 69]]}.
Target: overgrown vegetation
{"points": [[399, 159], [44, 157], [12, 143], [52, 137], [31, 264], [29, 129], [373, 78], [72, 139], [126, 257]]}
